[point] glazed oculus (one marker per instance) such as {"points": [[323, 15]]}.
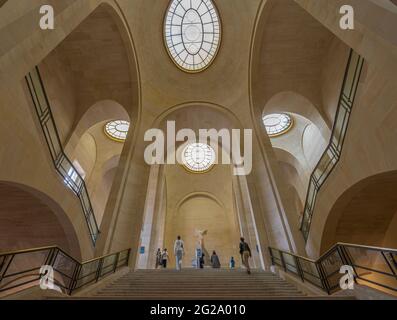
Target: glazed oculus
{"points": [[192, 33]]}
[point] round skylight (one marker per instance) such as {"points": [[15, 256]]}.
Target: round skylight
{"points": [[198, 157], [117, 130], [277, 123], [192, 33]]}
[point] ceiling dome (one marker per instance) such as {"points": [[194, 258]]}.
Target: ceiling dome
{"points": [[277, 123], [117, 130], [192, 33], [198, 157]]}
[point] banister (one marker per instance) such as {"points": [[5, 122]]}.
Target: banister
{"points": [[69, 274], [329, 263], [61, 162], [331, 155]]}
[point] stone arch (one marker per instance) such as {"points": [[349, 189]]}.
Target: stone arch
{"points": [[300, 80], [101, 111], [303, 146], [98, 114], [196, 115], [30, 219], [92, 124], [199, 194], [292, 102], [80, 78], [226, 112], [191, 115], [203, 211], [284, 155], [365, 213]]}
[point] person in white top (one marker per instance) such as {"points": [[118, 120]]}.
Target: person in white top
{"points": [[179, 252]]}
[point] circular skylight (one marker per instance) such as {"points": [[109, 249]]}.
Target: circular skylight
{"points": [[198, 157], [192, 33], [277, 123], [117, 130]]}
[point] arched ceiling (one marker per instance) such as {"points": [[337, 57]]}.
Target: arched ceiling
{"points": [[363, 213], [99, 61], [290, 50], [163, 84], [26, 221]]}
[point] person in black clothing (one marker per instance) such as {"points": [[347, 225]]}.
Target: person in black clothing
{"points": [[202, 261], [159, 260], [245, 253]]}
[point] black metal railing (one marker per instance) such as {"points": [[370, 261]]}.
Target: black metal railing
{"points": [[377, 266], [62, 164], [21, 269], [333, 152]]}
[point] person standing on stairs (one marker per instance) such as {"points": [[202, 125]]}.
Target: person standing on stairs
{"points": [[178, 252], [164, 258], [216, 264], [202, 261], [158, 258], [232, 263], [245, 253]]}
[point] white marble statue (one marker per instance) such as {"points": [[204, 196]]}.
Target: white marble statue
{"points": [[200, 238]]}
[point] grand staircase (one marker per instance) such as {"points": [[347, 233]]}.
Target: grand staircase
{"points": [[195, 284]]}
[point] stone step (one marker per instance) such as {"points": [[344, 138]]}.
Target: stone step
{"points": [[197, 284], [117, 289]]}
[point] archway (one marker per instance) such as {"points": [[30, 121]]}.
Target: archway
{"points": [[93, 154], [295, 103], [300, 148], [202, 211], [30, 219], [100, 112], [176, 196], [303, 76], [83, 84], [366, 213]]}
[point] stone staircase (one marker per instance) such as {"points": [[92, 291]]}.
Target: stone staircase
{"points": [[195, 284]]}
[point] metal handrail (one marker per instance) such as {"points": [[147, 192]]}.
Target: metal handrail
{"points": [[332, 153], [22, 267], [61, 162], [374, 265]]}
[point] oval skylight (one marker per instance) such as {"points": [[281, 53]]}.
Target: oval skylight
{"points": [[198, 157], [277, 123], [192, 33], [117, 130]]}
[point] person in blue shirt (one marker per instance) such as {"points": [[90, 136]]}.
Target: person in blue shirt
{"points": [[232, 263]]}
